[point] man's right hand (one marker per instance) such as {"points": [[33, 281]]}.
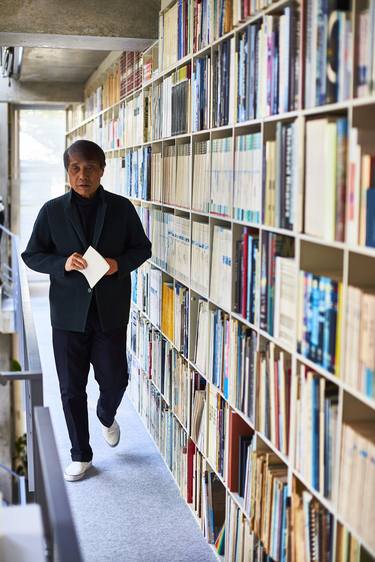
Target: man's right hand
{"points": [[75, 261]]}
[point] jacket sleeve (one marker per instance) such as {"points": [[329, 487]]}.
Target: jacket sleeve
{"points": [[138, 246], [40, 254]]}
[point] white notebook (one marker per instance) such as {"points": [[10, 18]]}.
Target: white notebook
{"points": [[96, 266]]}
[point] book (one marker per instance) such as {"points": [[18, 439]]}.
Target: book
{"points": [[316, 430], [96, 267], [247, 178], [221, 266], [321, 308], [325, 178]]}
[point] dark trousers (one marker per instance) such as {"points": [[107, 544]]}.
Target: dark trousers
{"points": [[74, 351]]}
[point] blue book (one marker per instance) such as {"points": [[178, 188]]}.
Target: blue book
{"points": [[315, 304], [220, 340], [369, 382], [315, 433], [333, 326], [326, 307], [284, 528], [327, 447]]}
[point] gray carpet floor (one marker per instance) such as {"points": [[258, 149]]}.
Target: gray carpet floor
{"points": [[129, 509]]}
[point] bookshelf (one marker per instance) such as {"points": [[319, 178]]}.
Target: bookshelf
{"points": [[252, 325]]}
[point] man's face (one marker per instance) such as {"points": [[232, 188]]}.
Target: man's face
{"points": [[84, 175]]}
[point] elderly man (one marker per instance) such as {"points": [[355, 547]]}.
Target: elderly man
{"points": [[88, 325]]}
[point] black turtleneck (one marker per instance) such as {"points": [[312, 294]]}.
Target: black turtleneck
{"points": [[87, 209]]}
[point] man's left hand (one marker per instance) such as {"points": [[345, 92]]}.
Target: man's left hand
{"points": [[113, 266]]}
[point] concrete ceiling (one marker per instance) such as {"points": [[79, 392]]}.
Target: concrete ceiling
{"points": [[42, 64]]}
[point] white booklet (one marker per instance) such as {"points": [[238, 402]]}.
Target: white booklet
{"points": [[96, 266]]}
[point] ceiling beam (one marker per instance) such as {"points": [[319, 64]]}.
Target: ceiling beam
{"points": [[88, 42], [40, 92], [117, 19]]}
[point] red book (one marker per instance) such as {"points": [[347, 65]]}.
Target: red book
{"points": [[237, 427], [244, 10], [190, 469]]}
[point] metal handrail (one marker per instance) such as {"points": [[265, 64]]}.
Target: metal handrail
{"points": [[28, 353], [45, 481], [60, 531], [21, 483]]}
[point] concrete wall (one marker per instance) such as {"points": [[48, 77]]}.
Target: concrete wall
{"points": [[118, 18]]}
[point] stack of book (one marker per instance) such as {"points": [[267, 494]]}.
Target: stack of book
{"points": [[201, 176], [181, 382], [359, 356], [280, 182], [130, 72], [223, 84], [328, 52], [133, 119], [221, 176], [272, 246], [356, 493], [217, 412], [221, 267], [273, 396], [201, 92], [247, 198], [219, 349], [243, 366], [137, 168], [325, 178], [246, 275], [320, 313], [200, 257], [156, 176], [313, 530], [316, 430]]}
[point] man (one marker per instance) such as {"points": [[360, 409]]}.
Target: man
{"points": [[88, 325]]}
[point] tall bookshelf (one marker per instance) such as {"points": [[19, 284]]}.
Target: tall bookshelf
{"points": [[259, 203]]}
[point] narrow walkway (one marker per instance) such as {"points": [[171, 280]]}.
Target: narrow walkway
{"points": [[129, 509]]}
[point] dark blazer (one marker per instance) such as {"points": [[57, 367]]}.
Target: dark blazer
{"points": [[58, 233]]}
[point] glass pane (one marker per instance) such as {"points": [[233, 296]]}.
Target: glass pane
{"points": [[42, 177]]}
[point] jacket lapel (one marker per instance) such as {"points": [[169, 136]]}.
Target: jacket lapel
{"points": [[100, 216], [73, 216]]}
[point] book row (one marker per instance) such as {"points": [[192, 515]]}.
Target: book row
{"points": [[310, 321], [254, 379], [246, 510], [269, 48], [258, 181], [119, 81]]}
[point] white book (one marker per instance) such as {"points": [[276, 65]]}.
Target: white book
{"points": [[221, 267], [320, 178], [285, 300], [96, 268], [201, 343]]}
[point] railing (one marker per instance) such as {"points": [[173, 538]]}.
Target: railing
{"points": [[57, 517], [13, 276], [44, 476]]}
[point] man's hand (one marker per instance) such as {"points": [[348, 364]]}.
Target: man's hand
{"points": [[75, 261], [113, 266]]}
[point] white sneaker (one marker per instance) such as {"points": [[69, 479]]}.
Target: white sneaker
{"points": [[76, 470], [112, 434]]}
